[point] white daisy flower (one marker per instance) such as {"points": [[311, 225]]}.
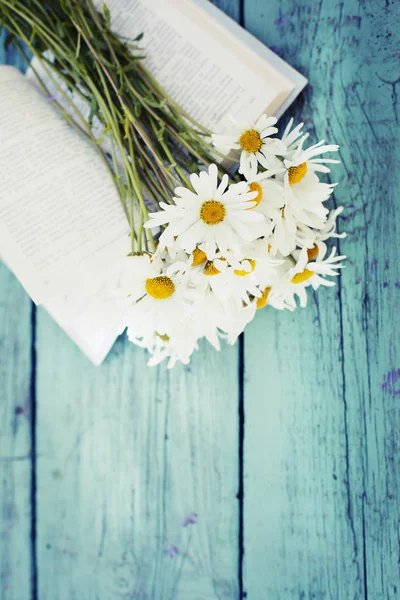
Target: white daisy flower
{"points": [[277, 300], [313, 267], [260, 250], [152, 315], [254, 141], [314, 239], [222, 320], [212, 316], [306, 199], [271, 293], [252, 275], [304, 192], [328, 230], [299, 161], [179, 347], [229, 279], [131, 275], [242, 319], [216, 302], [270, 192], [283, 239], [282, 295], [245, 281], [155, 303], [291, 137], [307, 272], [214, 276], [199, 274], [212, 217], [267, 273]]}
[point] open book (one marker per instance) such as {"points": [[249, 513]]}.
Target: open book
{"points": [[62, 228]]}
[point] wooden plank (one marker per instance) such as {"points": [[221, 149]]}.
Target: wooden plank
{"points": [[298, 535], [15, 429], [125, 455], [15, 439], [369, 79], [321, 440]]}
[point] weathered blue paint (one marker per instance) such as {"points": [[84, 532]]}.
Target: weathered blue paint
{"points": [[136, 472], [321, 387]]}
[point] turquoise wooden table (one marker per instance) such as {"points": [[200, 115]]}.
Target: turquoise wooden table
{"points": [[268, 471]]}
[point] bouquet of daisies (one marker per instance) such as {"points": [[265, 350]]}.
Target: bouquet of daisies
{"points": [[209, 247], [229, 249]]}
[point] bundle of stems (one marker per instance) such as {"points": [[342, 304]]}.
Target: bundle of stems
{"points": [[154, 143]]}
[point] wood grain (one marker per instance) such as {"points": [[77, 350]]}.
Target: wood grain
{"points": [[16, 566], [322, 386], [15, 439], [125, 455]]}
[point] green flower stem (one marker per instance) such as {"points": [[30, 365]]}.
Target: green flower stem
{"points": [[155, 144], [173, 163], [152, 83], [36, 24], [159, 188]]}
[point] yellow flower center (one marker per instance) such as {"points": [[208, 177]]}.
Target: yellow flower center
{"points": [[312, 252], [297, 173], [283, 213], [263, 300], [242, 272], [303, 276], [212, 212], [164, 337], [256, 187], [210, 269], [250, 141], [199, 257], [161, 287]]}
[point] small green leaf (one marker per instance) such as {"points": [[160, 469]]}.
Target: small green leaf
{"points": [[93, 109], [160, 132], [131, 66], [78, 45], [60, 30], [32, 37], [107, 16], [99, 45], [126, 127], [129, 116], [103, 135]]}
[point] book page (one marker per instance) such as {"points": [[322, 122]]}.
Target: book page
{"points": [[58, 93], [256, 54], [61, 221], [201, 64], [90, 318]]}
